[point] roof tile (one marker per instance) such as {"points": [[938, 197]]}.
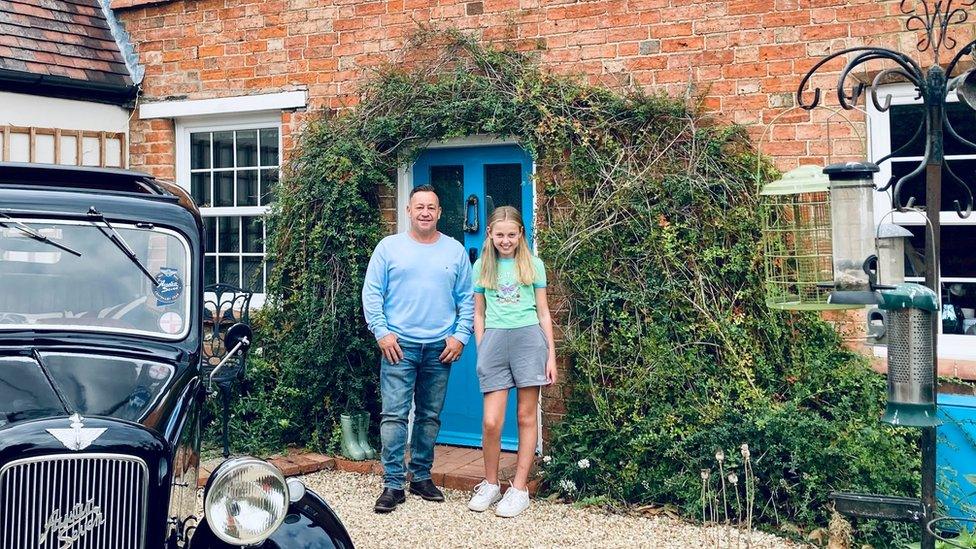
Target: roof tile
{"points": [[67, 38]]}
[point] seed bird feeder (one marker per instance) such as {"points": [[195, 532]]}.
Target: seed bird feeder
{"points": [[796, 229], [853, 232], [911, 381]]}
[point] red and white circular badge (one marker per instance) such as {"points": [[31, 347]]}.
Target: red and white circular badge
{"points": [[171, 323]]}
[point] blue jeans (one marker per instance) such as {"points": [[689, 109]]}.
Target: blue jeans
{"points": [[420, 378]]}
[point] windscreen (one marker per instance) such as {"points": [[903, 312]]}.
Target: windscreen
{"points": [[74, 276]]}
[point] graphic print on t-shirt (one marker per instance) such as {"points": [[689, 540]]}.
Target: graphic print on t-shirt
{"points": [[508, 292]]}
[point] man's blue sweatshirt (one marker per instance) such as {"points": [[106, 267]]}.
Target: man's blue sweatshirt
{"points": [[420, 292]]}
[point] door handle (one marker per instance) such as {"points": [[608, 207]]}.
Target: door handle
{"points": [[471, 206], [473, 255]]}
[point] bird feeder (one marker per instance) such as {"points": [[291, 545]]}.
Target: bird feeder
{"points": [[891, 271], [796, 229], [891, 254], [911, 381], [853, 232]]}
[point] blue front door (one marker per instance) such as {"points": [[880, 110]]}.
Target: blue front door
{"points": [[470, 181]]}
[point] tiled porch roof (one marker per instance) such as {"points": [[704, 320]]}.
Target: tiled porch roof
{"points": [[68, 41]]}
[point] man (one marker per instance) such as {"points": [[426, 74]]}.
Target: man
{"points": [[417, 299]]}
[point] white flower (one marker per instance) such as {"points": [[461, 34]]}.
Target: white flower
{"points": [[547, 459], [567, 485], [583, 463]]}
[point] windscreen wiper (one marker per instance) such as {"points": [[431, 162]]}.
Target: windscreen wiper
{"points": [[119, 242], [50, 381], [34, 235]]}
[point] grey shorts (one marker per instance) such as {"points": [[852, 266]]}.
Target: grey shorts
{"points": [[512, 357]]}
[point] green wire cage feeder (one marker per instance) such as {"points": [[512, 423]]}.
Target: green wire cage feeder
{"points": [[797, 234]]}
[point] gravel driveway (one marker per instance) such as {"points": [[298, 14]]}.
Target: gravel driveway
{"points": [[419, 523]]}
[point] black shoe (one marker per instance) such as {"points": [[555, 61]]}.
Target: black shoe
{"points": [[389, 500], [426, 490]]}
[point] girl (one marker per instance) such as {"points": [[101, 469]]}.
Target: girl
{"points": [[515, 349]]}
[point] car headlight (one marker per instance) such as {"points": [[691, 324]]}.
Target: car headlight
{"points": [[246, 500]]}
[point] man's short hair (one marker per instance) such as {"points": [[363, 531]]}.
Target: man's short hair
{"points": [[424, 189]]}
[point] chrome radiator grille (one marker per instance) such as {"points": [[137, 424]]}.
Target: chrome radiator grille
{"points": [[85, 501]]}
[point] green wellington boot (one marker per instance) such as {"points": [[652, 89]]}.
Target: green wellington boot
{"points": [[363, 434], [350, 444]]}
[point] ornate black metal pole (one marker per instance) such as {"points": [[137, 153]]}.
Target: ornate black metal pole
{"points": [[932, 87]]}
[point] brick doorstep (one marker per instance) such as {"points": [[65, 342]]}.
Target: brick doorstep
{"points": [[453, 470]]}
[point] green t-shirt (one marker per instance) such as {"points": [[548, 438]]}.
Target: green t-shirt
{"points": [[511, 305]]}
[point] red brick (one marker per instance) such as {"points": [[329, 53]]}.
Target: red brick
{"points": [[786, 19], [349, 466], [288, 467], [767, 53], [460, 482], [305, 464], [825, 32], [322, 463], [739, 7]]}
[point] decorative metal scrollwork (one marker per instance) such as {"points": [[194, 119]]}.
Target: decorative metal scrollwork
{"points": [[932, 87], [935, 22]]}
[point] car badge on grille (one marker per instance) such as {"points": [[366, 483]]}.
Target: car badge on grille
{"points": [[78, 437], [81, 519]]}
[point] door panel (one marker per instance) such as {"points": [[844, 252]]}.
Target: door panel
{"points": [[496, 176], [503, 186], [449, 183]]}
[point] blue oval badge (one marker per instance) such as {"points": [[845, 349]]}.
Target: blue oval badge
{"points": [[169, 286]]}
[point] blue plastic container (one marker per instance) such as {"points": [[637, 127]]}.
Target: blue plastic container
{"points": [[956, 455]]}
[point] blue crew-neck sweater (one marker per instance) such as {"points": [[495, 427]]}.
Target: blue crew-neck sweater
{"points": [[420, 292]]}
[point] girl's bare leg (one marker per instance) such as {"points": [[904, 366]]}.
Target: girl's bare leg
{"points": [[491, 430], [528, 427]]}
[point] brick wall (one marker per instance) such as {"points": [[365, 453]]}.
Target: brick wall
{"points": [[743, 57]]}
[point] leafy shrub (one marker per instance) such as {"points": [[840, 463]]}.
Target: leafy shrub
{"points": [[656, 239]]}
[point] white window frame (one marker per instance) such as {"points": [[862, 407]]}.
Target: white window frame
{"points": [[226, 122], [951, 346]]}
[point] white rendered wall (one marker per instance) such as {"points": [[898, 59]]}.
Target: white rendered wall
{"points": [[18, 109]]}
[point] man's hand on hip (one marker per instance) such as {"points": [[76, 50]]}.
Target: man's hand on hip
{"points": [[390, 348], [452, 350]]}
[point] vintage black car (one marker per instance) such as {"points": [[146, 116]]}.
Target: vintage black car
{"points": [[101, 387]]}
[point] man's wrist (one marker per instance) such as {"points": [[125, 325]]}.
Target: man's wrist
{"points": [[380, 333], [462, 338]]}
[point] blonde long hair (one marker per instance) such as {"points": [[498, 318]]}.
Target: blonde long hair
{"points": [[524, 270]]}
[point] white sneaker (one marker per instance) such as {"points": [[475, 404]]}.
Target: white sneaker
{"points": [[485, 495], [514, 502]]}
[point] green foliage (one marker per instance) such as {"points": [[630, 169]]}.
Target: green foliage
{"points": [[964, 540], [651, 226], [256, 421], [657, 244]]}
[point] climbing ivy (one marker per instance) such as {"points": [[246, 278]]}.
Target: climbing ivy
{"points": [[649, 223]]}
